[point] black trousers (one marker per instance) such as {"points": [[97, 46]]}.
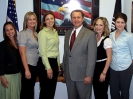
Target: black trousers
{"points": [[100, 88], [47, 86], [120, 83], [27, 85]]}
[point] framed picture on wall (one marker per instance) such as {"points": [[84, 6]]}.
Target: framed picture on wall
{"points": [[62, 9]]}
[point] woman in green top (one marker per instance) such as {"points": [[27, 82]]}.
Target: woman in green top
{"points": [[48, 64]]}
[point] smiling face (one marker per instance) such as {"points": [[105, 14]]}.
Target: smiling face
{"points": [[31, 22], [99, 26], [120, 24], [9, 31], [49, 21], [77, 19]]}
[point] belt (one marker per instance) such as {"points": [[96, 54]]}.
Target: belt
{"points": [[101, 60]]}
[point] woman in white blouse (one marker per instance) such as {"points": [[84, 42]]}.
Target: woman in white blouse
{"points": [[104, 57]]}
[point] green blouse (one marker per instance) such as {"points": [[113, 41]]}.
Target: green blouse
{"points": [[48, 46]]}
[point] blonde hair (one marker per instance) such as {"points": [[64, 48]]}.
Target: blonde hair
{"points": [[106, 31], [26, 17]]}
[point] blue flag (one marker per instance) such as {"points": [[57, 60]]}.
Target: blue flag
{"points": [[12, 14]]}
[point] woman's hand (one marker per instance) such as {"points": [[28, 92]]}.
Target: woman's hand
{"points": [[27, 74], [102, 77], [50, 73], [4, 82]]}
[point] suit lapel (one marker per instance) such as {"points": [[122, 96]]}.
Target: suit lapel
{"points": [[67, 40], [79, 36]]}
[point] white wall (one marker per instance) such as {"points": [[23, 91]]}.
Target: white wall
{"points": [[23, 6], [106, 9], [2, 16]]}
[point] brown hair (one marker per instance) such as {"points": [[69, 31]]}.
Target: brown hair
{"points": [[6, 38], [122, 16], [44, 16], [77, 11]]}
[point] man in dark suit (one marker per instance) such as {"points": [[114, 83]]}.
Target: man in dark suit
{"points": [[79, 60]]}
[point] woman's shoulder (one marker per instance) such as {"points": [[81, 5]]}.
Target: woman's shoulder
{"points": [[107, 39], [111, 33], [3, 43], [23, 32], [43, 30], [129, 35]]}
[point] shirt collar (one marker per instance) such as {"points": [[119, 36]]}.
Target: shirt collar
{"points": [[46, 29], [28, 30], [112, 35], [123, 32], [77, 30]]}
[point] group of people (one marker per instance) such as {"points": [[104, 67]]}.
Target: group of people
{"points": [[26, 55], [91, 58]]}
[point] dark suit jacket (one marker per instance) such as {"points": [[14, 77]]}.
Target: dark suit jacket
{"points": [[10, 60], [80, 61]]}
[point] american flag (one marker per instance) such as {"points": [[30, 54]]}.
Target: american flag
{"points": [[12, 14], [54, 6], [117, 9]]}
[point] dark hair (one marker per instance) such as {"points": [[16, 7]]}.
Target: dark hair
{"points": [[6, 38], [44, 16], [77, 11], [122, 16]]}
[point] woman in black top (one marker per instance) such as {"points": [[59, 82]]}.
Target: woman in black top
{"points": [[104, 56], [10, 62]]}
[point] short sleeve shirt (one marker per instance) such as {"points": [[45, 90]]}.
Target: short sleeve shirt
{"points": [[26, 38]]}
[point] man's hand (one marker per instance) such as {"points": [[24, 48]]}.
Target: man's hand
{"points": [[87, 80]]}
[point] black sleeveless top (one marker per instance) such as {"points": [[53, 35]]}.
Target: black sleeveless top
{"points": [[101, 52]]}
